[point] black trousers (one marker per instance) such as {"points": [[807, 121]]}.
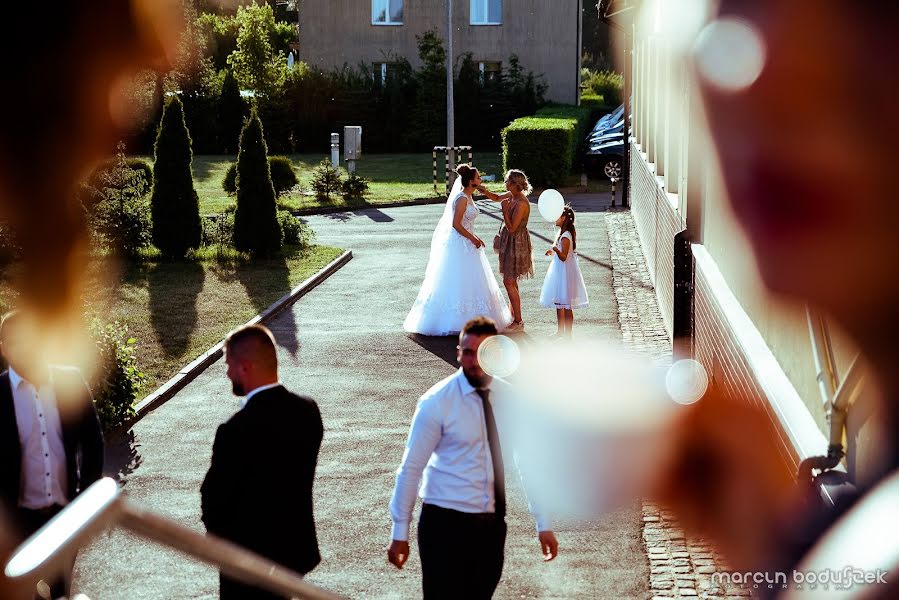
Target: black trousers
{"points": [[461, 553], [32, 520]]}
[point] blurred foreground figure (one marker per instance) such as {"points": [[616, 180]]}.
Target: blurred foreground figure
{"points": [[52, 444], [258, 491], [818, 120], [64, 108]]}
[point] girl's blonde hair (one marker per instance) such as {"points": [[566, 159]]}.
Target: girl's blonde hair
{"points": [[518, 177]]}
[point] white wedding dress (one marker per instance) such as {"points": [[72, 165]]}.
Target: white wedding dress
{"points": [[459, 283]]}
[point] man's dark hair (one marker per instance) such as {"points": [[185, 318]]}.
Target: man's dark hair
{"points": [[479, 326], [255, 342]]}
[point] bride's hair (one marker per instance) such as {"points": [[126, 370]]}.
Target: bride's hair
{"points": [[518, 177], [466, 172]]}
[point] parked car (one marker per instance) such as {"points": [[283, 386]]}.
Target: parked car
{"points": [[605, 146]]}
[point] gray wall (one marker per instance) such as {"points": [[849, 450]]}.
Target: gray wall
{"points": [[543, 33]]}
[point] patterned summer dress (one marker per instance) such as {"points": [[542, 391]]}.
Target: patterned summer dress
{"points": [[515, 253]]}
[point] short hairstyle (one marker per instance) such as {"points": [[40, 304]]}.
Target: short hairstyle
{"points": [[253, 342], [479, 326]]}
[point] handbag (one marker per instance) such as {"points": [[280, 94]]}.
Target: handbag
{"points": [[498, 241]]}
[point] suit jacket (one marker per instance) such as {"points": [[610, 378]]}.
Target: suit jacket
{"points": [[258, 491], [81, 433]]}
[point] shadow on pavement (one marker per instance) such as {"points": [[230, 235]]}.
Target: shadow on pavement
{"points": [[121, 457], [265, 281], [443, 347], [173, 289]]}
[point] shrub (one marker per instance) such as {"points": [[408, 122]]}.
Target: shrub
{"points": [[118, 380], [97, 178], [256, 227], [283, 175], [295, 231], [218, 230], [175, 204], [597, 106], [545, 145], [354, 187], [607, 84], [118, 213], [229, 183], [325, 179]]}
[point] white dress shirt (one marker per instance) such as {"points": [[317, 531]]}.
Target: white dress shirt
{"points": [[261, 388], [448, 452], [44, 474]]}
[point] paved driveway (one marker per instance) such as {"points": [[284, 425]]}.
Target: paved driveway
{"points": [[343, 344]]}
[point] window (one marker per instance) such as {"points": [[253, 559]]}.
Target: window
{"points": [[486, 12], [386, 12], [489, 71], [383, 72]]}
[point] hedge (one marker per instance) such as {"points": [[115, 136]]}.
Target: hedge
{"points": [[545, 146]]}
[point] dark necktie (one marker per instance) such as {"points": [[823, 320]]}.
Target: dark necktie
{"points": [[499, 474]]}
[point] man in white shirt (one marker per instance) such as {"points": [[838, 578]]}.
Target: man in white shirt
{"points": [[51, 442], [454, 444]]}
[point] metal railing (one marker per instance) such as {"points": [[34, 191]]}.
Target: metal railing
{"points": [[103, 505]]}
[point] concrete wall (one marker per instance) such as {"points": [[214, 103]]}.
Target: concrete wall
{"points": [[543, 34]]}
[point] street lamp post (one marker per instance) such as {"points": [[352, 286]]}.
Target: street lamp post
{"points": [[450, 120]]}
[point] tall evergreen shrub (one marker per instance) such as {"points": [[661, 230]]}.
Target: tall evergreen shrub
{"points": [[175, 206], [256, 227]]}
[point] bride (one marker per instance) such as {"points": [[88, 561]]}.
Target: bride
{"points": [[459, 283]]}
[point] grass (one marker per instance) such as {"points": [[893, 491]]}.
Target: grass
{"points": [[393, 177], [176, 310]]}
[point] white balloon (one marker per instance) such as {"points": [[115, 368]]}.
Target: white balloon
{"points": [[550, 205]]}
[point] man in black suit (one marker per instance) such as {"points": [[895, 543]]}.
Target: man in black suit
{"points": [[258, 491], [51, 443]]}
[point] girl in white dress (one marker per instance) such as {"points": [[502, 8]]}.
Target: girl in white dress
{"points": [[563, 288], [459, 283]]}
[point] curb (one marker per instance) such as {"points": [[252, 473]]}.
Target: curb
{"points": [[307, 212], [189, 372]]}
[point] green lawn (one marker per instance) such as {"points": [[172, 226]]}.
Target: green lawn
{"points": [[394, 177], [177, 310]]}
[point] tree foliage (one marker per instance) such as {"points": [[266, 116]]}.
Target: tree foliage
{"points": [[175, 205]]}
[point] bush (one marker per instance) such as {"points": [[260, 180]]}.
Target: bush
{"points": [[354, 187], [232, 110], [175, 204], [118, 380], [118, 211], [283, 175], [256, 227], [229, 183], [284, 178], [325, 180], [218, 230], [607, 84], [98, 178], [295, 231], [545, 145], [597, 105]]}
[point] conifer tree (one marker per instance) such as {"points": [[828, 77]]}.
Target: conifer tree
{"points": [[256, 227], [175, 206]]}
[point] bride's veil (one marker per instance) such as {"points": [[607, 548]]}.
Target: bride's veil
{"points": [[445, 225]]}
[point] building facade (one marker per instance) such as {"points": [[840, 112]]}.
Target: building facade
{"points": [[753, 346], [546, 36]]}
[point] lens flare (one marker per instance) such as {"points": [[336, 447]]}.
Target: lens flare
{"points": [[729, 54], [592, 425], [499, 356], [686, 381]]}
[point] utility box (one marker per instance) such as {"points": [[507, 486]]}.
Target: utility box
{"points": [[352, 142], [335, 149]]}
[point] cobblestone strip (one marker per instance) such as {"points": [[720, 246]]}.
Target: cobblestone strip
{"points": [[679, 567]]}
